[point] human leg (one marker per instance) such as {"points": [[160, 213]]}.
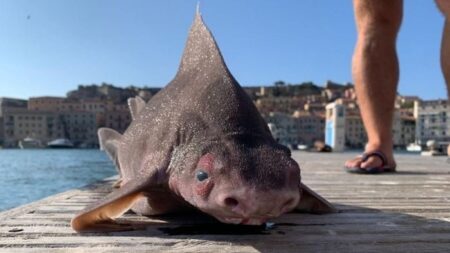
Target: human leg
{"points": [[444, 7], [376, 72]]}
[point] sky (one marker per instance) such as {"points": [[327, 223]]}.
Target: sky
{"points": [[48, 47]]}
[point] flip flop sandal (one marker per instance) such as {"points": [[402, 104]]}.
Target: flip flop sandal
{"points": [[383, 168]]}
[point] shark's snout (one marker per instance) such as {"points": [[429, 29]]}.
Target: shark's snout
{"points": [[252, 206]]}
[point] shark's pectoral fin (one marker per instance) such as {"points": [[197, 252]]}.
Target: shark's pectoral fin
{"points": [[311, 202], [136, 105], [109, 142], [100, 216]]}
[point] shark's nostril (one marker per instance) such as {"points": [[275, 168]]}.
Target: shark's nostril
{"points": [[231, 202]]}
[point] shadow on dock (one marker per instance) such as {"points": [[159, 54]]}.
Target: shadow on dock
{"points": [[354, 228]]}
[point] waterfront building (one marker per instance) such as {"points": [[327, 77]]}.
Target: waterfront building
{"points": [[48, 104], [5, 105], [11, 103], [355, 133], [283, 127], [81, 119], [23, 123], [79, 127], [75, 117], [45, 126], [432, 121], [335, 126], [406, 101], [300, 128], [96, 106], [70, 105], [118, 117], [315, 107], [403, 128], [61, 104], [309, 127], [408, 131]]}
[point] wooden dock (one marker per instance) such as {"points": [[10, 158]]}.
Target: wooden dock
{"points": [[404, 212]]}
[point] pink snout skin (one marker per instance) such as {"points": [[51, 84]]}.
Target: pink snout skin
{"points": [[246, 209]]}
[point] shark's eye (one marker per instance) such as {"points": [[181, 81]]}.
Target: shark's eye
{"points": [[201, 175]]}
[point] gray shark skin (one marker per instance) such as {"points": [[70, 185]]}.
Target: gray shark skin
{"points": [[199, 143]]}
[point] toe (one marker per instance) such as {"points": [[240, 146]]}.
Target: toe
{"points": [[352, 163], [372, 162]]}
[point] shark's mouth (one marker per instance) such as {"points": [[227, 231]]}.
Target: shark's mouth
{"points": [[244, 221]]}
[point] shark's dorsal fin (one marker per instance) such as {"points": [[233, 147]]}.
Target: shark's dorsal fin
{"points": [[203, 70], [136, 105], [109, 140], [201, 53], [197, 9]]}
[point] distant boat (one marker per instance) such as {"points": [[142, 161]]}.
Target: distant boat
{"points": [[60, 143], [302, 147], [414, 147], [29, 143]]}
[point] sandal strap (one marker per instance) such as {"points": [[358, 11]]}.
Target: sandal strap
{"points": [[366, 156]]}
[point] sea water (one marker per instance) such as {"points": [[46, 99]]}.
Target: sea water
{"points": [[27, 175]]}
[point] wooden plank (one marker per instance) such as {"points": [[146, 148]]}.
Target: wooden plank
{"points": [[404, 212]]}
